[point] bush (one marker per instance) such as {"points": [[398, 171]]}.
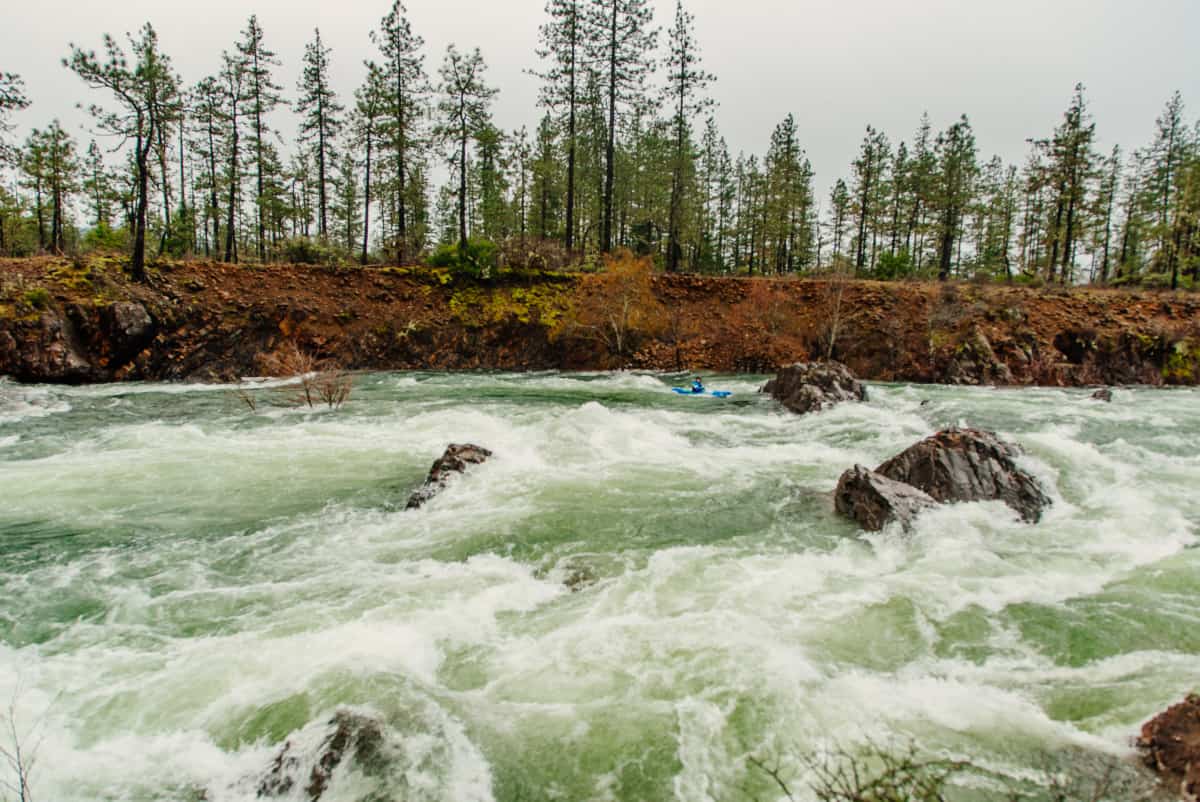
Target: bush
{"points": [[893, 266], [534, 255], [307, 251], [105, 238], [479, 259]]}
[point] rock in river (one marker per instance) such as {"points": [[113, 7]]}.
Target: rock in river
{"points": [[968, 465], [349, 735], [875, 500], [455, 460], [814, 386], [1170, 744]]}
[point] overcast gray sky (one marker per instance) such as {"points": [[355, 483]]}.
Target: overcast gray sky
{"points": [[836, 64]]}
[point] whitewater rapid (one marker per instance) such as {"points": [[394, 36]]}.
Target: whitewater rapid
{"points": [[187, 583]]}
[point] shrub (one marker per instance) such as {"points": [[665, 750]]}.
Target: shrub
{"points": [[478, 259], [534, 255], [106, 238], [307, 251], [893, 266], [618, 307], [320, 382]]}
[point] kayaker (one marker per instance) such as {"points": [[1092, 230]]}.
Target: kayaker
{"points": [[697, 385]]}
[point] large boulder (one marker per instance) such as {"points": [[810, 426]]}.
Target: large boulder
{"points": [[875, 500], [1170, 744], [968, 465], [814, 386], [455, 460], [349, 735]]}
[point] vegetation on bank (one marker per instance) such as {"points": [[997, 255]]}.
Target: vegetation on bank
{"points": [[626, 155]]}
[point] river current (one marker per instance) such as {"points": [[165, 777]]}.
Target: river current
{"points": [[638, 592]]}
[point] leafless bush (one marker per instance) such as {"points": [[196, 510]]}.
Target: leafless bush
{"points": [[534, 254], [876, 773], [320, 382], [831, 315], [19, 752]]}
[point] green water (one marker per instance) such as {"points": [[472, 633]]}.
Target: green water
{"points": [[187, 583]]}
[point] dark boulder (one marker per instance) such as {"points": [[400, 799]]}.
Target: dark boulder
{"points": [[1170, 744], [968, 465], [875, 500], [1103, 394], [814, 386], [455, 460], [350, 735]]}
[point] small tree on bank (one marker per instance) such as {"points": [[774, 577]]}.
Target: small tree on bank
{"points": [[147, 99]]}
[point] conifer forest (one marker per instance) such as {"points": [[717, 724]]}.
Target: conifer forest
{"points": [[626, 153]]}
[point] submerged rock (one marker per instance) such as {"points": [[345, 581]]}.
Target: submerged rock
{"points": [[875, 500], [354, 735], [1103, 394], [814, 386], [1170, 744], [968, 465], [455, 460]]}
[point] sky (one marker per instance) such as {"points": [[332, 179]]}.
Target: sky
{"points": [[837, 65]]}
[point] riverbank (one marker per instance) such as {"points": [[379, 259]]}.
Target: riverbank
{"points": [[64, 321]]}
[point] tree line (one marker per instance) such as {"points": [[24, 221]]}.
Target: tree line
{"points": [[626, 154]]}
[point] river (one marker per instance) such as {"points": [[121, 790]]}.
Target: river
{"points": [[636, 594]]}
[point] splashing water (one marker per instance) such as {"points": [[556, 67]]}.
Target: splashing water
{"points": [[187, 584]]}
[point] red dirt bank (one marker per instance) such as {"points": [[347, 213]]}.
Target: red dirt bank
{"points": [[70, 322]]}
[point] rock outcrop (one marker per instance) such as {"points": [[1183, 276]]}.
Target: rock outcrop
{"points": [[455, 460], [952, 465], [875, 500], [1170, 744], [968, 465], [351, 735], [813, 386], [1103, 394]]}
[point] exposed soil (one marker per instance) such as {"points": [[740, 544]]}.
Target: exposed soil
{"points": [[66, 321]]}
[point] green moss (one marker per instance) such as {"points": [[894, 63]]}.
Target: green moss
{"points": [[1183, 363], [37, 298], [537, 304]]}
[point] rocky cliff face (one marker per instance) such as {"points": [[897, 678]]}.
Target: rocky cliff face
{"points": [[66, 322]]}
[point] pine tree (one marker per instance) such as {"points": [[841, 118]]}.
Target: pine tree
{"points": [[404, 73], [620, 43], [545, 178], [345, 203], [839, 211], [520, 156], [206, 104], [868, 175], [493, 217], [563, 47], [1166, 163], [1106, 201], [12, 99], [463, 113], [263, 96], [686, 82], [147, 96], [1071, 165], [320, 121], [97, 186], [955, 150], [370, 102], [233, 88]]}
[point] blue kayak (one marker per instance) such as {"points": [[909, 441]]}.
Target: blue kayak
{"points": [[705, 394]]}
